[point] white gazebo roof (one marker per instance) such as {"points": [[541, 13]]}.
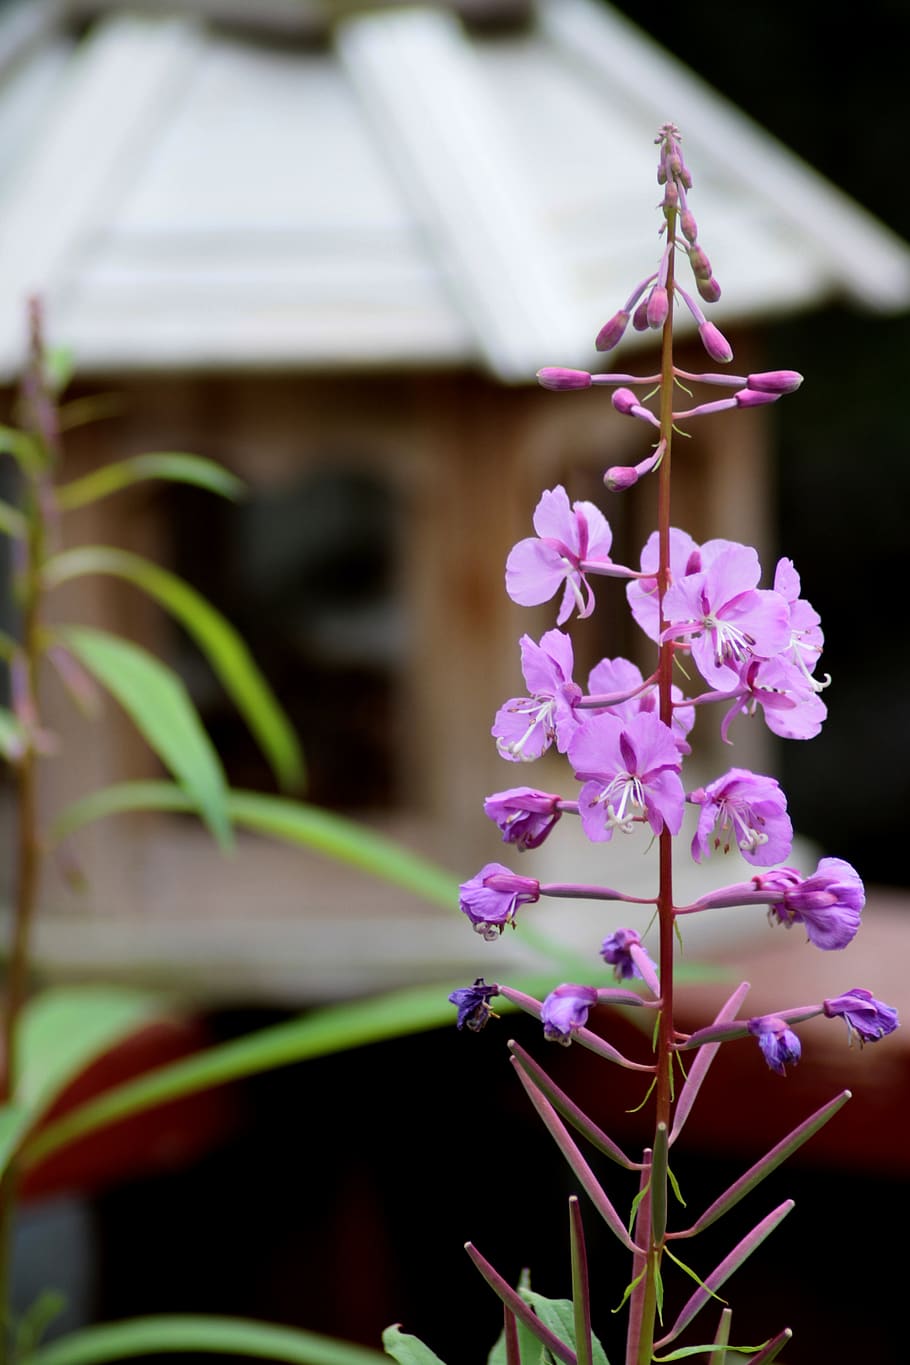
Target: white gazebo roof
{"points": [[411, 193]]}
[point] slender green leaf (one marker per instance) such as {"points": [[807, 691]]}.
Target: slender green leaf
{"points": [[407, 1350], [532, 1351], [189, 1333], [171, 465], [158, 703], [59, 367], [318, 1034], [225, 650], [12, 522], [291, 821], [65, 1028]]}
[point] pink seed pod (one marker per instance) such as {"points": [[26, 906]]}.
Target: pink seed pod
{"points": [[556, 379], [612, 331], [775, 381], [715, 343]]}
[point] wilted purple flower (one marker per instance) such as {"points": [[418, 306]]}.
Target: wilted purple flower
{"points": [[829, 903], [779, 1043], [630, 769], [748, 809], [491, 899], [525, 816], [869, 1018], [473, 1005], [538, 566], [725, 618], [526, 726], [617, 952], [566, 1008]]}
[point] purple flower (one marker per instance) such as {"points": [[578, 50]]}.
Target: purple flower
{"points": [[620, 675], [539, 566], [725, 618], [490, 900], [617, 952], [806, 638], [566, 1008], [525, 816], [525, 727], [829, 902], [869, 1018], [685, 558], [473, 1005], [779, 1043], [745, 808], [791, 707], [630, 769]]}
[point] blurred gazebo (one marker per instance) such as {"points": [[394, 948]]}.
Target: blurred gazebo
{"points": [[329, 245]]}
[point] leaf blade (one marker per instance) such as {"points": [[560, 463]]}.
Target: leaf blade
{"points": [[159, 705], [185, 1333], [225, 650], [174, 466]]}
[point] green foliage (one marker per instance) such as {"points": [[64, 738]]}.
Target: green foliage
{"points": [[187, 1333], [281, 818], [159, 704], [407, 1350], [225, 650], [170, 465]]}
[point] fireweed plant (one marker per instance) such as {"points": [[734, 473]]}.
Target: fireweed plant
{"points": [[738, 647]]}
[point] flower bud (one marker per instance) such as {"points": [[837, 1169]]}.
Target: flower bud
{"points": [[624, 400], [619, 477], [688, 224], [671, 197], [557, 379], [775, 381], [701, 266], [709, 289], [754, 398], [658, 306], [611, 333], [715, 343], [640, 317]]}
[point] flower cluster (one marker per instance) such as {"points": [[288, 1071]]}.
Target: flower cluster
{"points": [[742, 646]]}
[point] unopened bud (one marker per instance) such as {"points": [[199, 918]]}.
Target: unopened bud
{"points": [[624, 400], [620, 477], [658, 306], [701, 266], [775, 381], [709, 288], [558, 379], [640, 317], [671, 197], [611, 332], [754, 398], [715, 343], [688, 224]]}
